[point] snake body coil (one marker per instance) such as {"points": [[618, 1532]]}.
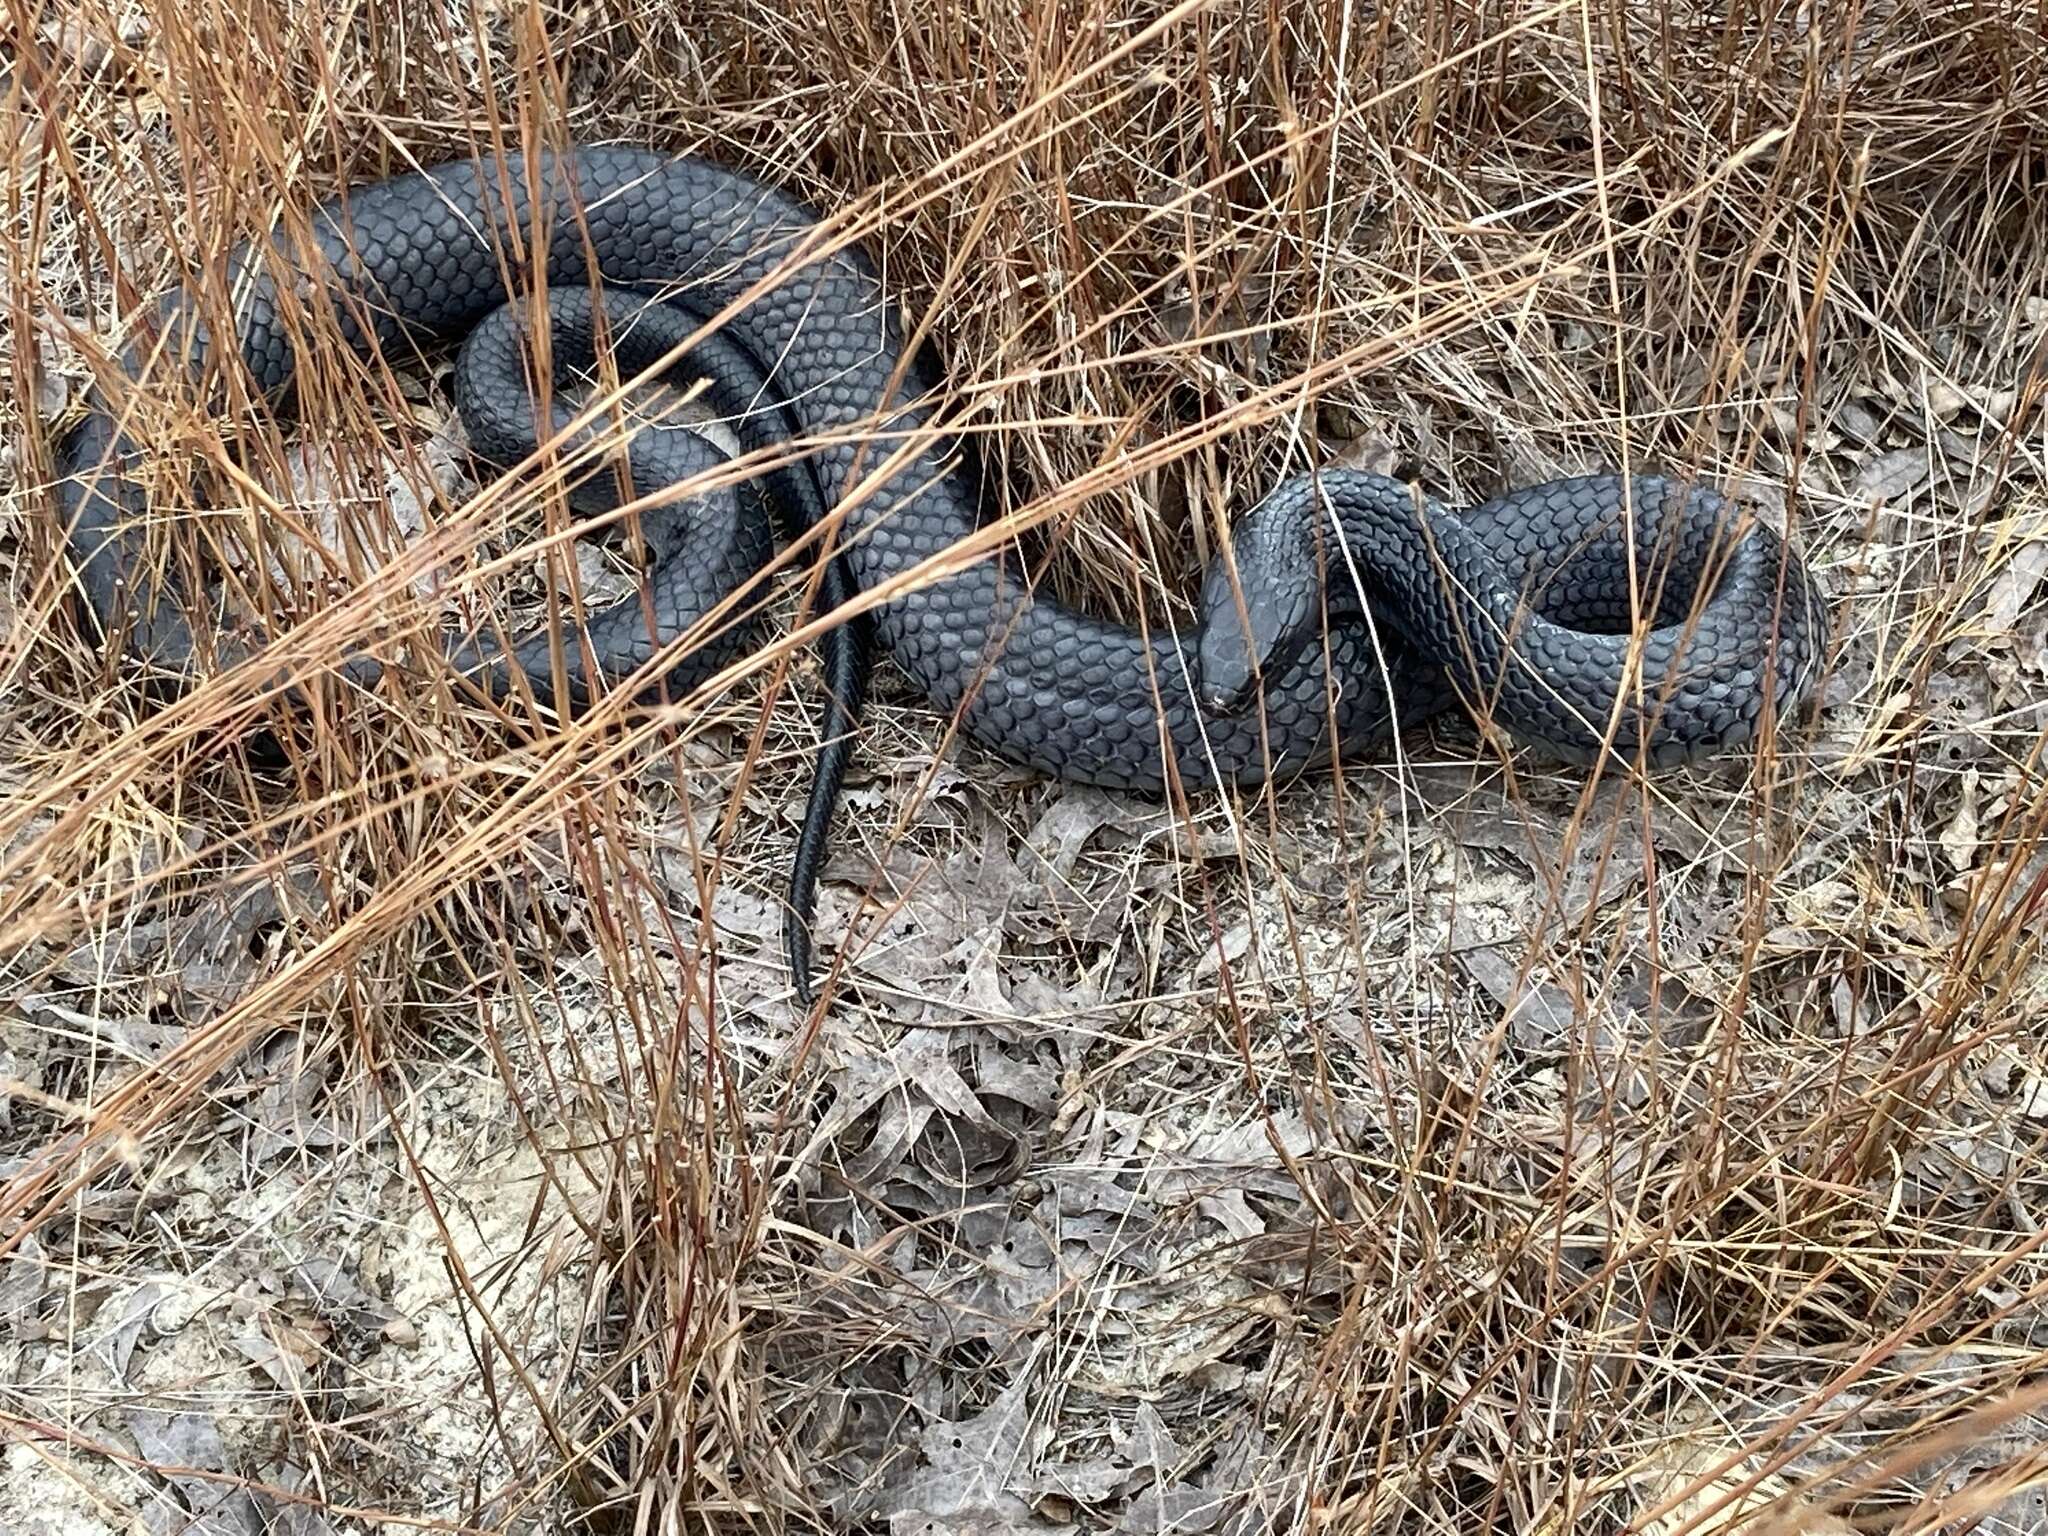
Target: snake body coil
{"points": [[1529, 615]]}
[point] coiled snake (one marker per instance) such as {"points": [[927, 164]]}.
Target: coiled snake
{"points": [[1521, 607]]}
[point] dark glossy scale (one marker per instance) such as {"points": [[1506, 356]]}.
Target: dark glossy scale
{"points": [[1527, 603], [706, 547], [1035, 681], [709, 550]]}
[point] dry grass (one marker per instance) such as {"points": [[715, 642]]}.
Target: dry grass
{"points": [[408, 1126]]}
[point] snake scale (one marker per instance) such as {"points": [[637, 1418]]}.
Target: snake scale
{"points": [[1345, 606]]}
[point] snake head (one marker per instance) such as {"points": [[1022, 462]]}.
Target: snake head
{"points": [[1258, 620], [1234, 643]]}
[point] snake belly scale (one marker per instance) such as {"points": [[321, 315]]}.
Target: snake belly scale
{"points": [[1522, 606]]}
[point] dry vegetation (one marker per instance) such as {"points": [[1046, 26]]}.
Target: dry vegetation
{"points": [[404, 1121]]}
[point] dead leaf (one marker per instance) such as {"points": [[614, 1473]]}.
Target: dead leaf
{"points": [[1085, 1482], [2014, 586], [117, 1347], [856, 1437], [76, 38], [289, 1517], [285, 1369], [1945, 402], [1593, 864], [1539, 1016], [1889, 476], [910, 1128], [176, 1445], [1023, 1079], [203, 957], [973, 1469], [24, 1286], [1371, 451], [1148, 1444], [1082, 1203], [1960, 837], [286, 1110], [19, 1073], [387, 484], [1686, 1484], [1253, 1144], [336, 1295], [996, 1305], [1242, 1485], [1181, 1511], [53, 384], [1857, 420], [1229, 1209], [1229, 949], [1056, 840]]}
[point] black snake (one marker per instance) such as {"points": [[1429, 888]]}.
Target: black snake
{"points": [[1521, 607]]}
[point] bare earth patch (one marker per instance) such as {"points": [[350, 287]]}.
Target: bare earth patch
{"points": [[405, 1120]]}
